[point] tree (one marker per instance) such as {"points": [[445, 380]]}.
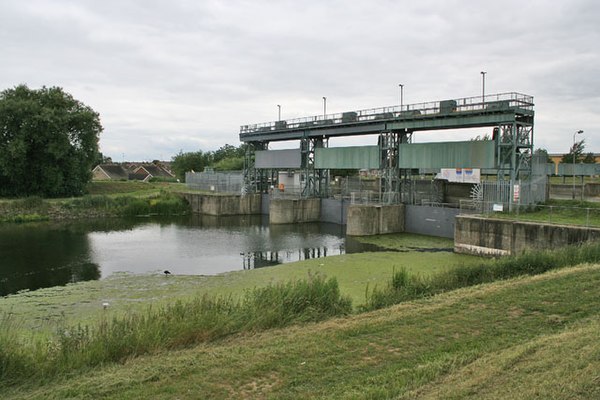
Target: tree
{"points": [[101, 159], [186, 162], [48, 142], [542, 154], [576, 151], [589, 159]]}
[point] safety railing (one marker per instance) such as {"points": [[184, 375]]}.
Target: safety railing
{"points": [[489, 103]]}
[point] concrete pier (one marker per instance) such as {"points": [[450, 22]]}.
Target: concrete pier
{"points": [[224, 204], [290, 211], [365, 220]]}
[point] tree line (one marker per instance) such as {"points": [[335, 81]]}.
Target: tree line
{"points": [[226, 158]]}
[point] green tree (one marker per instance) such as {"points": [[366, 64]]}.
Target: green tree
{"points": [[192, 161], [589, 159], [543, 155], [575, 151], [102, 159], [48, 142]]}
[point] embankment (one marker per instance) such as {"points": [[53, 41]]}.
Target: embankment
{"points": [[497, 237]]}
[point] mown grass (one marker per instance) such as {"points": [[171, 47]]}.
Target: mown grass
{"points": [[405, 286], [531, 337], [174, 326], [565, 212]]}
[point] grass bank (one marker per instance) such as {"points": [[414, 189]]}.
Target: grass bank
{"points": [[207, 318], [33, 209], [409, 286], [530, 337], [170, 327], [564, 212]]}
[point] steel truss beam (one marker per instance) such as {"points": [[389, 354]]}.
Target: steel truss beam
{"points": [[514, 149], [255, 179]]}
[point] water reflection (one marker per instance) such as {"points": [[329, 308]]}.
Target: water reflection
{"points": [[33, 257], [259, 259], [40, 255]]}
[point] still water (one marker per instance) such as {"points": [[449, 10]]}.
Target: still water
{"points": [[34, 256]]}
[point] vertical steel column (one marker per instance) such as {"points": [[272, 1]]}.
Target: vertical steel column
{"points": [[316, 181], [254, 178], [389, 161]]}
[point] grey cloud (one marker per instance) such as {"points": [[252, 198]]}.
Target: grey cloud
{"points": [[183, 75]]}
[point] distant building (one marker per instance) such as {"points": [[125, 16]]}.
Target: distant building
{"points": [[153, 171], [110, 172], [556, 157]]}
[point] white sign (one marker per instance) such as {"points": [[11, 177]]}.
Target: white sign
{"points": [[498, 207], [466, 175]]}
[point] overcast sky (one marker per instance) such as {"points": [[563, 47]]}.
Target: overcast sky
{"points": [[184, 75]]}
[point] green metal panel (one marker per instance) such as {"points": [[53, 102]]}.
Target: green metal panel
{"points": [[366, 157], [471, 154]]}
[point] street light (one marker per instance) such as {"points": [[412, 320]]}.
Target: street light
{"points": [[579, 132], [483, 88], [279, 112], [401, 95], [324, 106]]}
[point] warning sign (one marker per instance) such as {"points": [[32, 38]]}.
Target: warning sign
{"points": [[516, 193]]}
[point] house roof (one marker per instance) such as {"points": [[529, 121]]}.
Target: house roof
{"points": [[155, 171], [113, 171]]}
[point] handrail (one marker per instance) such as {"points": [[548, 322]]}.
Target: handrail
{"points": [[491, 103]]}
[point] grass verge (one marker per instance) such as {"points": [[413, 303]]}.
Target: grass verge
{"points": [[174, 326], [530, 337], [405, 286]]}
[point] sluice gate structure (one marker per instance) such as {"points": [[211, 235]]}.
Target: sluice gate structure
{"points": [[396, 156]]}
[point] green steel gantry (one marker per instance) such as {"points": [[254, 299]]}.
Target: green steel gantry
{"points": [[510, 114]]}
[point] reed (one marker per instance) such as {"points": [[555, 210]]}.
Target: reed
{"points": [[177, 325]]}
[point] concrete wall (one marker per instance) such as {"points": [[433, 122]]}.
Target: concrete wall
{"points": [[334, 210], [485, 236], [265, 201], [224, 205], [432, 221], [289, 211], [365, 220]]}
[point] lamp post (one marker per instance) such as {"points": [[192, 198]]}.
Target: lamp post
{"points": [[401, 95], [573, 172], [483, 87], [324, 106], [279, 112]]}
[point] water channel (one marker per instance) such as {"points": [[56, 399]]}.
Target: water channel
{"points": [[38, 255]]}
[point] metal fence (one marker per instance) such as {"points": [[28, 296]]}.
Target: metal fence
{"points": [[488, 196], [220, 182]]}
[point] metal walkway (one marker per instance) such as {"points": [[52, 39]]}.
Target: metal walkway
{"points": [[494, 110]]}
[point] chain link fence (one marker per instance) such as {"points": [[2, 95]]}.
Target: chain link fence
{"points": [[219, 182]]}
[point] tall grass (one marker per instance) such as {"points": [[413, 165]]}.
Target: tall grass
{"points": [[173, 326], [164, 203], [404, 286]]}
